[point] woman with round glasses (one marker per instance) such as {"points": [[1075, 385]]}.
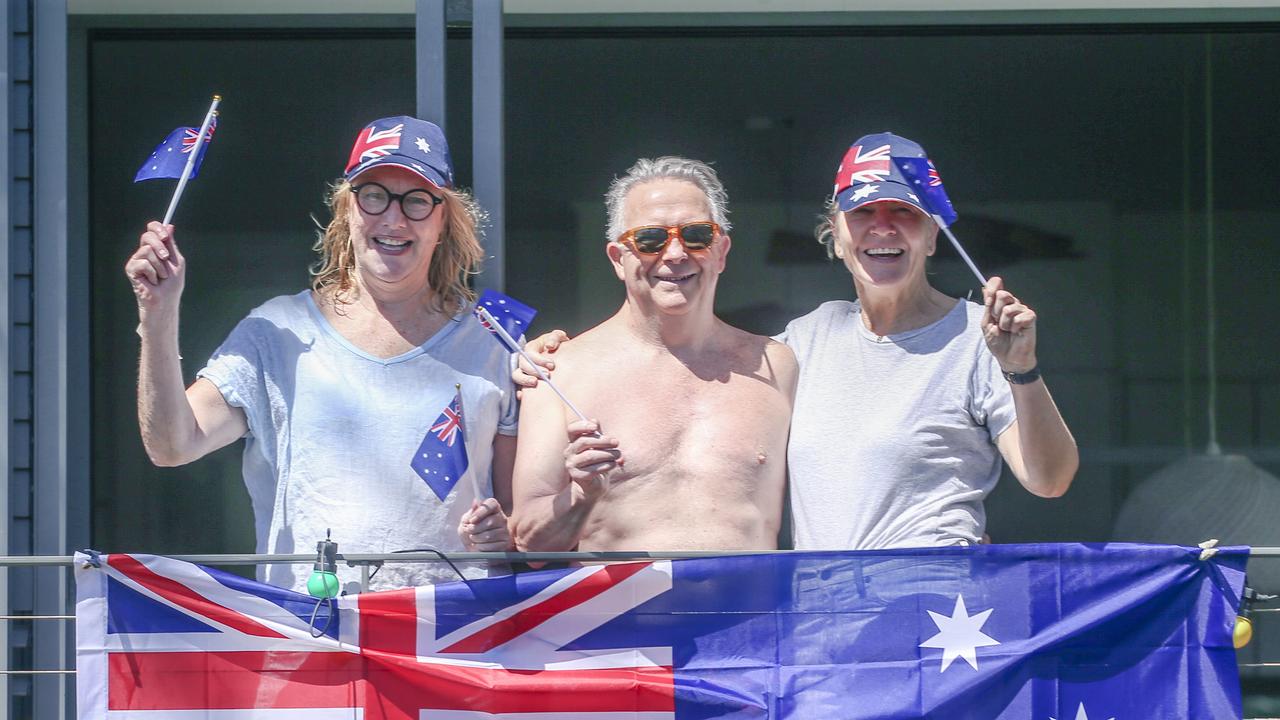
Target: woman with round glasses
{"points": [[353, 396]]}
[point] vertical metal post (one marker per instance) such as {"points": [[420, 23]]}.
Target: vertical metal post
{"points": [[429, 51], [50, 336], [6, 410], [488, 171]]}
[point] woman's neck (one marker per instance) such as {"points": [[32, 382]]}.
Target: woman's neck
{"points": [[892, 311], [383, 325]]}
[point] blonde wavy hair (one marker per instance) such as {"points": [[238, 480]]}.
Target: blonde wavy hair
{"points": [[456, 258]]}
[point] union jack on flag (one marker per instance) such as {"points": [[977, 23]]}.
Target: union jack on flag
{"points": [[441, 458], [372, 143], [448, 429], [191, 135], [859, 167], [159, 639], [1012, 632]]}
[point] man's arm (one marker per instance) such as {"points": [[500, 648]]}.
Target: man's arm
{"points": [[177, 426], [559, 474]]}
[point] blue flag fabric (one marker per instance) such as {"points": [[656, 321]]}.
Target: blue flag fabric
{"points": [[441, 459], [920, 173], [170, 157], [1017, 632], [513, 316]]}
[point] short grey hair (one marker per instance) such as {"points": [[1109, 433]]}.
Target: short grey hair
{"points": [[825, 232], [669, 166]]}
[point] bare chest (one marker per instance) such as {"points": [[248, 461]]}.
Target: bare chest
{"points": [[695, 426]]}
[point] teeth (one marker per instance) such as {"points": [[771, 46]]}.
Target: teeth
{"points": [[391, 242], [884, 251]]}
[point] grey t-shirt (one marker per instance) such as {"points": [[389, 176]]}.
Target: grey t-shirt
{"points": [[332, 430], [893, 438]]}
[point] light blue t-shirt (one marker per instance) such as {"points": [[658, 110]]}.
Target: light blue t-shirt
{"points": [[893, 438], [332, 430]]}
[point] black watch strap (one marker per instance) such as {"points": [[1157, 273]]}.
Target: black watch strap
{"points": [[1025, 378]]}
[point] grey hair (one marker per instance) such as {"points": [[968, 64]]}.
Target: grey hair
{"points": [[825, 232], [669, 166]]}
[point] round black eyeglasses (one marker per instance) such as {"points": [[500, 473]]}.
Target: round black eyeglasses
{"points": [[374, 199]]}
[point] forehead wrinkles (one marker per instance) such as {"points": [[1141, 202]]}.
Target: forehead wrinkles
{"points": [[665, 201]]}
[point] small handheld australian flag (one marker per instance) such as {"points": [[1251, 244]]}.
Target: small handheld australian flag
{"points": [[170, 157], [924, 177], [512, 317], [441, 459]]}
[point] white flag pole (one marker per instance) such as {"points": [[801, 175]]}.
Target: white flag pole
{"points": [[191, 161], [511, 343], [462, 422], [911, 172], [967, 260]]}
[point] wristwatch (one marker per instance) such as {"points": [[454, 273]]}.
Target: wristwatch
{"points": [[1024, 378]]}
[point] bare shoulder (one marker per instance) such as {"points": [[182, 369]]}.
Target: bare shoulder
{"points": [[589, 353], [762, 356]]}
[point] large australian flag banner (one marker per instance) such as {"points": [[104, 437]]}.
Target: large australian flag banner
{"points": [[1039, 632]]}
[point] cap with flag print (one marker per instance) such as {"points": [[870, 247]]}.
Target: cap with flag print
{"points": [[441, 459], [404, 142], [883, 167], [170, 157]]}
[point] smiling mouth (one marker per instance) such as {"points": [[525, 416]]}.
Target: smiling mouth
{"points": [[675, 278], [392, 243], [884, 252]]}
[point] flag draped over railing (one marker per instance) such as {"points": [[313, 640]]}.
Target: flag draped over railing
{"points": [[1061, 632]]}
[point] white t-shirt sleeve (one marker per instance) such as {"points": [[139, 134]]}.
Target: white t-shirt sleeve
{"points": [[236, 369], [509, 410], [992, 399]]}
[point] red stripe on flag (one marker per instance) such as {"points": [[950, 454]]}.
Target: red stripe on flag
{"points": [[185, 597], [229, 680], [531, 617], [393, 688], [389, 622]]}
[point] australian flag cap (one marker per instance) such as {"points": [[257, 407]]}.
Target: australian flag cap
{"points": [[870, 172], [402, 141]]}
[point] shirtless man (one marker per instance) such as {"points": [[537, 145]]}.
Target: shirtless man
{"points": [[687, 446]]}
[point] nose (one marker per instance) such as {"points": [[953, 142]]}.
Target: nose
{"points": [[882, 219], [674, 251], [394, 214]]}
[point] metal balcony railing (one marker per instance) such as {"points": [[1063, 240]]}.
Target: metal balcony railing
{"points": [[370, 561]]}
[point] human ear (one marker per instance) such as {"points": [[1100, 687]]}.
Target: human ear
{"points": [[614, 251], [725, 244]]}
